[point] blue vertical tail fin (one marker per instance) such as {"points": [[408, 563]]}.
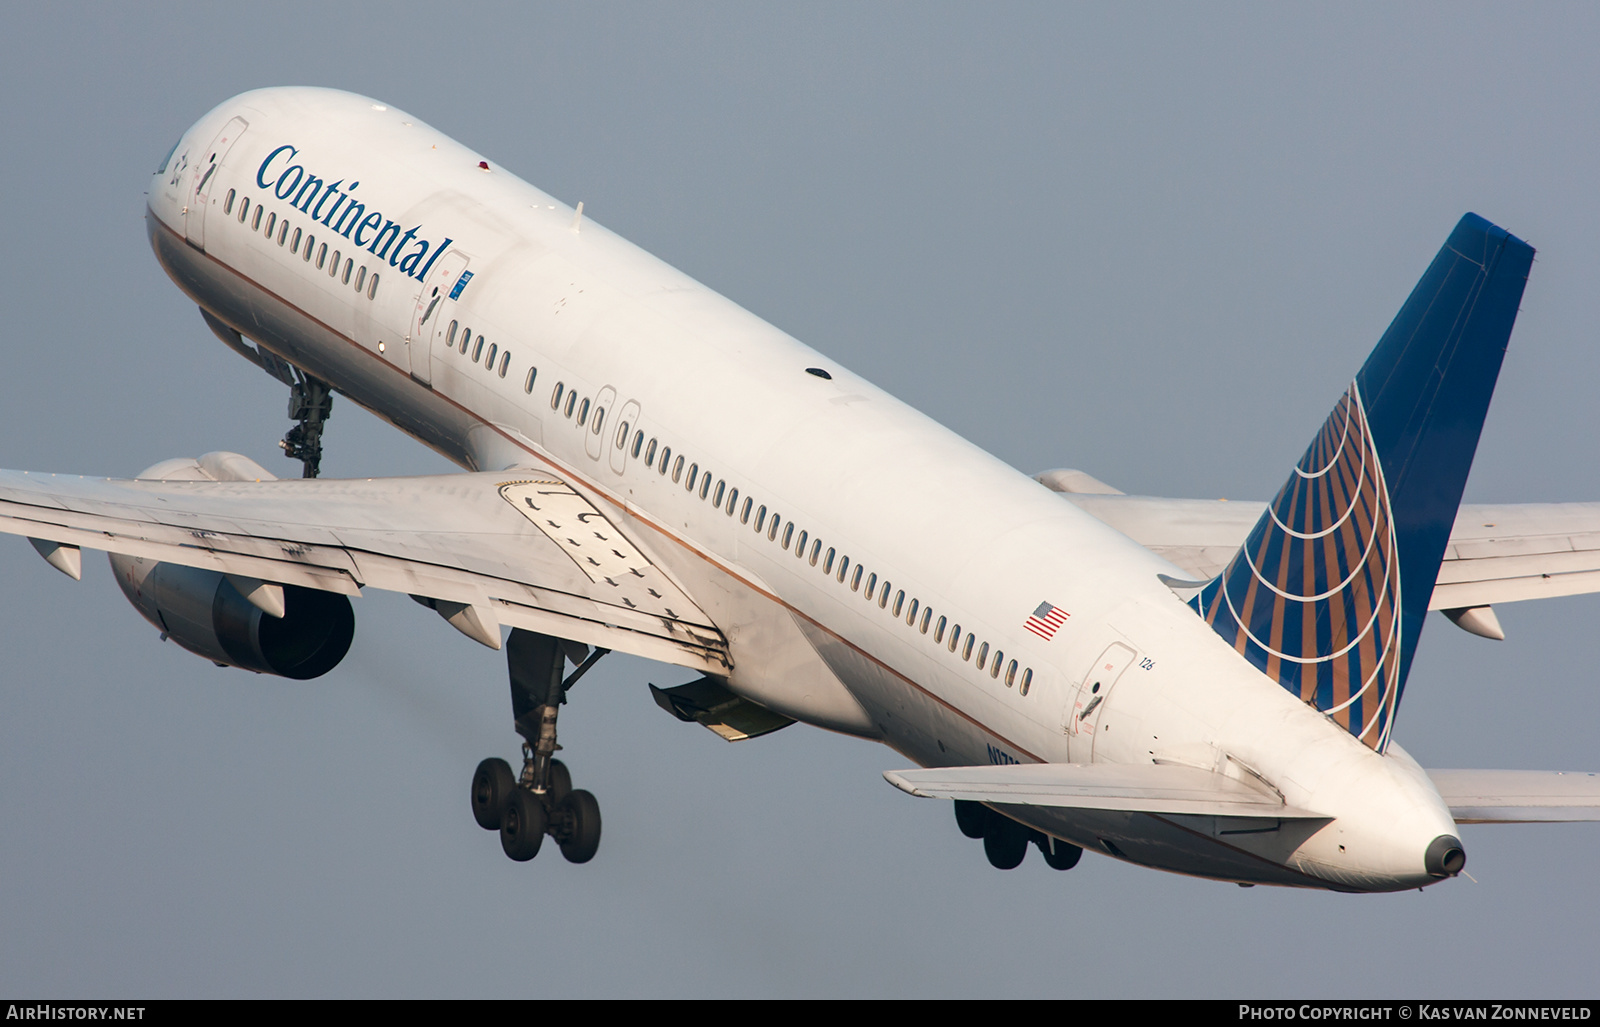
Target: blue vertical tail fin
{"points": [[1329, 591]]}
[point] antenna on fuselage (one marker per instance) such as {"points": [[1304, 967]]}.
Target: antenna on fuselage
{"points": [[577, 216]]}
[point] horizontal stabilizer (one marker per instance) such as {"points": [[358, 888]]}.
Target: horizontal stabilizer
{"points": [[1519, 796], [1143, 788]]}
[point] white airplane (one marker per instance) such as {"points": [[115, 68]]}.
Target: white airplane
{"points": [[1205, 688]]}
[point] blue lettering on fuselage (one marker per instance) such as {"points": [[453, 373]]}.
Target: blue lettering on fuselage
{"points": [[996, 756], [309, 191]]}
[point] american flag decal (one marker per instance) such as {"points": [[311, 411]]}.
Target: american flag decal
{"points": [[1045, 620]]}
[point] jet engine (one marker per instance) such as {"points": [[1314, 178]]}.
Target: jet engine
{"points": [[208, 614], [294, 632]]}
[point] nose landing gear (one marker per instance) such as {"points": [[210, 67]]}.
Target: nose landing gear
{"points": [[541, 800]]}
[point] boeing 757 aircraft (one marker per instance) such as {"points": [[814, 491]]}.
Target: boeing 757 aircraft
{"points": [[1205, 688]]}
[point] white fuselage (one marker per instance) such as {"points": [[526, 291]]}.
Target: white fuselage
{"points": [[921, 514]]}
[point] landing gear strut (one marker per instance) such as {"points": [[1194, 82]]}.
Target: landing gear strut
{"points": [[1005, 842], [541, 800], [310, 404]]}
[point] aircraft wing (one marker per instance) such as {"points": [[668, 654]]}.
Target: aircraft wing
{"points": [[1518, 796], [1141, 788], [516, 548], [1501, 553]]}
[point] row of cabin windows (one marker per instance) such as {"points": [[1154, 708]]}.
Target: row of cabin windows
{"points": [[269, 224], [726, 497], [476, 343]]}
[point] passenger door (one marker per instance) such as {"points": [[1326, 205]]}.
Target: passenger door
{"points": [[601, 417], [1081, 720], [425, 339], [206, 171], [622, 435]]}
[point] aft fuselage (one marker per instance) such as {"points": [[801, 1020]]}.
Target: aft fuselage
{"points": [[873, 572]]}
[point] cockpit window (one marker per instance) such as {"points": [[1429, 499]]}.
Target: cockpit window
{"points": [[162, 170]]}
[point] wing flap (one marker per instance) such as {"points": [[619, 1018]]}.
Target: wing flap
{"points": [[1519, 796], [458, 538], [1144, 788]]}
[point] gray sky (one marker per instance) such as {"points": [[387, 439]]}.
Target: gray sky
{"points": [[1152, 242]]}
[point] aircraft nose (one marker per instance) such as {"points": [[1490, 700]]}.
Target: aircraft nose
{"points": [[1445, 856]]}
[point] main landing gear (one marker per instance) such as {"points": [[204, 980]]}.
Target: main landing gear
{"points": [[310, 404], [1005, 841], [541, 801]]}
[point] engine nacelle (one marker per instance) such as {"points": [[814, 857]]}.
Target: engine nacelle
{"points": [[206, 614]]}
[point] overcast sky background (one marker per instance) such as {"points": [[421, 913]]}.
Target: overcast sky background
{"points": [[1151, 242]]}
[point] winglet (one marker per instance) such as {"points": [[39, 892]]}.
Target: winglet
{"points": [[1328, 593]]}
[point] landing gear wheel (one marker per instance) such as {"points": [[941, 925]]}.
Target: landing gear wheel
{"points": [[1005, 843], [560, 783], [580, 837], [492, 786], [1058, 855], [522, 825], [973, 818]]}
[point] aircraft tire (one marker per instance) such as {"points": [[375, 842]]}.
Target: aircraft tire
{"points": [[560, 783], [492, 785], [1065, 856], [581, 811], [522, 825], [1006, 844], [973, 818]]}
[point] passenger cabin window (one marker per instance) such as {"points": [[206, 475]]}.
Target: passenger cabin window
{"points": [[333, 265], [227, 204], [361, 278], [844, 568], [272, 221], [938, 632], [527, 386], [583, 408], [911, 615], [761, 519], [800, 547], [899, 601], [599, 419], [572, 402], [855, 581], [349, 265], [666, 459], [283, 232], [650, 453], [717, 499], [466, 339], [733, 501], [255, 225], [827, 565], [322, 255], [494, 352], [872, 584], [677, 470], [744, 514], [555, 397], [966, 650], [638, 443], [705, 484], [927, 615], [694, 470], [816, 551], [983, 652], [1027, 680], [295, 246], [788, 534], [372, 294]]}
